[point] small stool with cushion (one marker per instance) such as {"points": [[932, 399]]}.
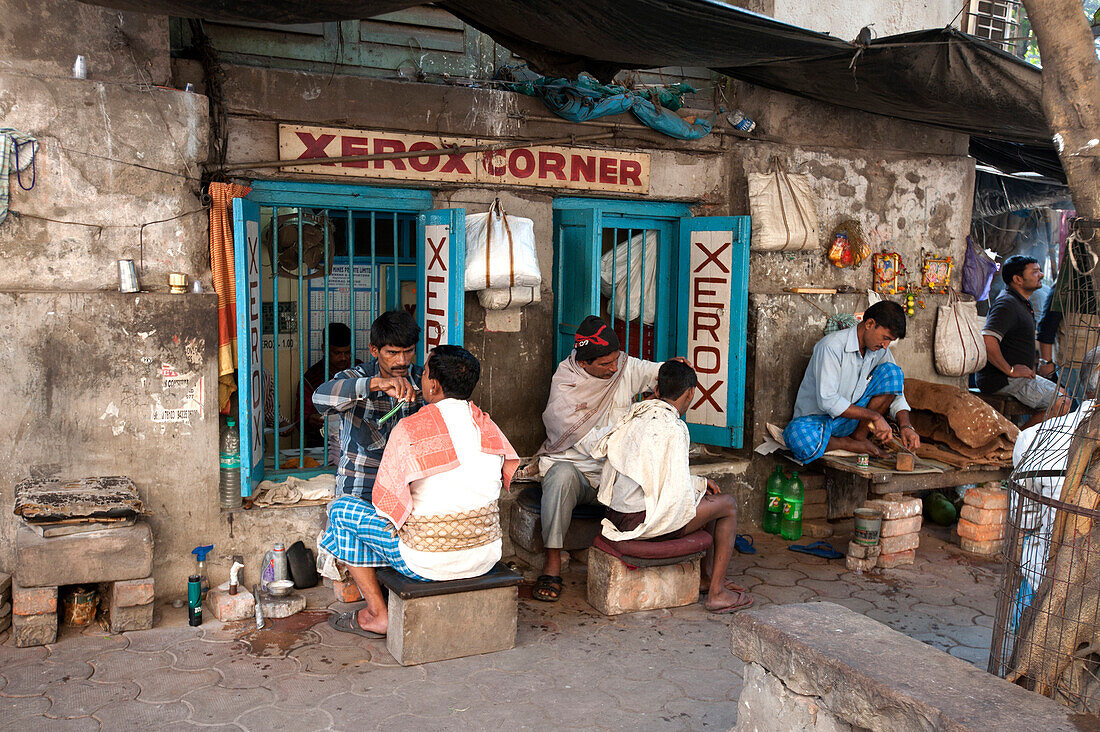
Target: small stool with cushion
{"points": [[628, 576], [434, 621]]}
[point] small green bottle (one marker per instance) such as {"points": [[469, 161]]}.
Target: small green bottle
{"points": [[773, 504], [793, 495]]}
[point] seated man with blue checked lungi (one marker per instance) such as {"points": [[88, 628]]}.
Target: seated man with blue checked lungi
{"points": [[851, 383], [433, 512]]}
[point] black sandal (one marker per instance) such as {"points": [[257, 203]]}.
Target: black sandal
{"points": [[547, 588]]}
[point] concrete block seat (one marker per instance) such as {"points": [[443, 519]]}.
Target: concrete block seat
{"points": [[434, 621], [525, 526], [628, 576]]}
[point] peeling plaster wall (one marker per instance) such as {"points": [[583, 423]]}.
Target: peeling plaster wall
{"points": [[844, 18]]}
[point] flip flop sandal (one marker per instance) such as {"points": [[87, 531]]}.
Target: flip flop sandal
{"points": [[821, 549], [349, 623], [744, 602], [729, 585], [547, 588], [744, 544]]}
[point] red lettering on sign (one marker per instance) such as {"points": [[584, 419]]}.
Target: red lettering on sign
{"points": [[425, 164], [315, 146], [430, 295], [712, 256], [524, 156], [698, 325], [433, 334], [350, 145], [700, 293], [551, 162], [437, 254], [716, 359], [491, 167], [582, 167], [705, 395], [607, 170], [630, 171], [456, 164], [383, 145]]}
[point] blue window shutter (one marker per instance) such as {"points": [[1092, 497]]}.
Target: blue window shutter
{"points": [[714, 284], [576, 273], [250, 393], [441, 275]]}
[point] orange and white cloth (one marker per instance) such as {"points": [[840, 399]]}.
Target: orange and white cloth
{"points": [[225, 284]]}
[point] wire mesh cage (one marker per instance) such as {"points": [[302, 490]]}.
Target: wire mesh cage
{"points": [[1046, 634]]}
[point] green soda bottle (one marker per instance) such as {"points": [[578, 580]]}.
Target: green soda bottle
{"points": [[773, 504], [793, 494]]}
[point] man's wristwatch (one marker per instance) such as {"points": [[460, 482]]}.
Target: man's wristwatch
{"points": [[908, 427]]}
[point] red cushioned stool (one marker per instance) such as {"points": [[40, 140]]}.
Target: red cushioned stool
{"points": [[628, 576]]}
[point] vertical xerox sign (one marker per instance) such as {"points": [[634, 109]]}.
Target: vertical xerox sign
{"points": [[709, 313], [255, 343], [436, 285]]}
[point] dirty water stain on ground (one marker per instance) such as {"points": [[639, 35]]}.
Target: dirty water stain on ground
{"points": [[280, 636]]}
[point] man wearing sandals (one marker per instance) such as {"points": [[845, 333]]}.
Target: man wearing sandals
{"points": [[650, 492], [433, 511], [591, 390]]}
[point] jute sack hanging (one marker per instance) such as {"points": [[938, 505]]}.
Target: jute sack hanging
{"points": [[500, 251], [784, 215], [959, 347]]}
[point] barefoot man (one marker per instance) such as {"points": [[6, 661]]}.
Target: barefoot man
{"points": [[851, 383]]}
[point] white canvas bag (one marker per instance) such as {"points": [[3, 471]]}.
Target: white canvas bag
{"points": [[500, 251], [784, 215], [959, 347]]}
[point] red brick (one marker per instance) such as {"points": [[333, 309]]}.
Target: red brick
{"points": [[129, 593], [226, 607], [984, 548], [897, 527], [855, 564], [986, 498], [889, 561], [976, 532], [895, 506], [33, 600], [902, 543], [859, 551], [983, 516], [346, 591]]}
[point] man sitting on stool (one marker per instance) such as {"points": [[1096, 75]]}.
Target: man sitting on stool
{"points": [[650, 492]]}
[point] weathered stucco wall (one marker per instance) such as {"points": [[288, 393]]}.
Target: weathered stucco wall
{"points": [[844, 18]]}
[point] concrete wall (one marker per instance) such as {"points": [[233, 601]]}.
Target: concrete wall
{"points": [[845, 18]]}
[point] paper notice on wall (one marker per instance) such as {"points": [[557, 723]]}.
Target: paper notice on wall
{"points": [[180, 399]]}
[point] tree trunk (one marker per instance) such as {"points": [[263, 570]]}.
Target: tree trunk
{"points": [[1071, 100]]}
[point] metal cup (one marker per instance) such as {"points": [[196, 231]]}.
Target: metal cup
{"points": [[127, 276]]}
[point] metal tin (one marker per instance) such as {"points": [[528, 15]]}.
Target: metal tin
{"points": [[863, 460], [194, 600], [127, 276], [177, 283]]}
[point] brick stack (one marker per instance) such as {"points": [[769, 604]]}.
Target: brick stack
{"points": [[900, 535], [5, 601], [131, 605], [34, 615], [814, 508], [982, 520]]}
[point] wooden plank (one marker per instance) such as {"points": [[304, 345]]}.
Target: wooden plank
{"points": [[935, 481], [844, 493]]}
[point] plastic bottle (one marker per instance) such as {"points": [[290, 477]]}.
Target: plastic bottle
{"points": [[773, 505], [793, 495], [274, 566], [200, 553], [194, 600], [229, 484]]}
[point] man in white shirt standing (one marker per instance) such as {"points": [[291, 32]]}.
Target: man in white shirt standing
{"points": [[851, 383], [591, 390]]}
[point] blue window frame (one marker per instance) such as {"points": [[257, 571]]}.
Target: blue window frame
{"points": [[671, 284]]}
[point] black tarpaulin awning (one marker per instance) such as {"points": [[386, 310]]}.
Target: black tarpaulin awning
{"points": [[939, 77]]}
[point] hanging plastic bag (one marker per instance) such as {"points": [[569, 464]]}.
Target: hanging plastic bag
{"points": [[621, 268], [784, 215], [500, 251], [959, 347], [978, 270], [501, 298]]}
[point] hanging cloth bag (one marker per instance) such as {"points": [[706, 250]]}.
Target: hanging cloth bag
{"points": [[959, 347], [784, 215], [500, 251]]}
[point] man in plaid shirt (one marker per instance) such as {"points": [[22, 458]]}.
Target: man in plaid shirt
{"points": [[364, 394]]}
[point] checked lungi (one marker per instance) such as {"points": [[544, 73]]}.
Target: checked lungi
{"points": [[808, 436], [359, 537]]}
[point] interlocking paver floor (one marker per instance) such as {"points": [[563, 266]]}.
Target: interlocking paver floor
{"points": [[571, 667]]}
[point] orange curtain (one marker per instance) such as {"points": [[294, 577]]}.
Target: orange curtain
{"points": [[225, 284]]}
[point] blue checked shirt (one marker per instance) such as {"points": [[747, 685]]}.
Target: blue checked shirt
{"points": [[362, 440]]}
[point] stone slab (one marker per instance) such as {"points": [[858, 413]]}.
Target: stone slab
{"points": [[896, 506], [851, 662], [897, 559], [983, 516], [5, 587], [986, 497], [526, 530], [855, 564], [767, 704], [281, 607], [226, 607], [136, 617], [34, 630], [614, 589], [983, 548], [980, 532], [816, 511], [897, 527], [439, 627], [895, 544], [537, 560], [128, 593], [859, 551], [817, 529], [33, 600], [99, 556]]}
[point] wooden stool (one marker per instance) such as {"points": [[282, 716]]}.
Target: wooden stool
{"points": [[628, 576]]}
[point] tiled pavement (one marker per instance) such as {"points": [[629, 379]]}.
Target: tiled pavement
{"points": [[571, 667]]}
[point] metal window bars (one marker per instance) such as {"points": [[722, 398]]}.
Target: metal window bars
{"points": [[1046, 633], [630, 301]]}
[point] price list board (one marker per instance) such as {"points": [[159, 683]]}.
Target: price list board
{"points": [[342, 297]]}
